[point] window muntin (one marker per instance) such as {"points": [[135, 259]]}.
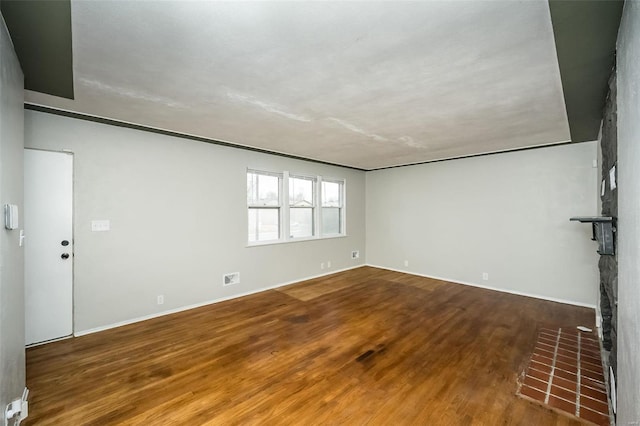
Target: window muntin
{"points": [[302, 203], [264, 206], [331, 193], [263, 189], [264, 224], [332, 207]]}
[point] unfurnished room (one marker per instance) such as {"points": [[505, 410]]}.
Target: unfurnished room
{"points": [[320, 212]]}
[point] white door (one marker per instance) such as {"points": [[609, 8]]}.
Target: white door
{"points": [[48, 248]]}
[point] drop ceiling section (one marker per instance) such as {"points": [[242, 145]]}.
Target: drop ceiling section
{"points": [[367, 85]]}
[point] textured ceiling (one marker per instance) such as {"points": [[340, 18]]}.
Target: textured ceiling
{"points": [[367, 85]]}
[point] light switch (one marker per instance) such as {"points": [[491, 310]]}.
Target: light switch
{"points": [[100, 225]]}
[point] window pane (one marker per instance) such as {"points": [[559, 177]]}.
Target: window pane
{"points": [[253, 225], [331, 221], [262, 189], [264, 224], [331, 194], [301, 222], [300, 192]]}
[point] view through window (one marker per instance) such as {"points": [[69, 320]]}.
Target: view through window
{"points": [[284, 207]]}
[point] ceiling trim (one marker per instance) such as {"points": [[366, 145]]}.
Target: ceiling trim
{"points": [[118, 123], [483, 154], [585, 33], [41, 35]]}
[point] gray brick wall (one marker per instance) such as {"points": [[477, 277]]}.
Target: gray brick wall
{"points": [[609, 264]]}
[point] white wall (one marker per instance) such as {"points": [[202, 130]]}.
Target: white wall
{"points": [[178, 220], [629, 215], [12, 364], [505, 214]]}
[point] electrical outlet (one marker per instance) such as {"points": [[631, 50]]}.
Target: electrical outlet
{"points": [[160, 299], [328, 264], [485, 276], [322, 265], [406, 263], [355, 254]]}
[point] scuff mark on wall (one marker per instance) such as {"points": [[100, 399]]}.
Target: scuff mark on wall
{"points": [[267, 106]]}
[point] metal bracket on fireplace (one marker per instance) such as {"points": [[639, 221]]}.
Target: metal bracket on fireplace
{"points": [[603, 229]]}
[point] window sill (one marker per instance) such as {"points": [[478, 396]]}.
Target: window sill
{"points": [[296, 240]]}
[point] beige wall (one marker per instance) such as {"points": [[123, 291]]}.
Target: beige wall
{"points": [[12, 364], [504, 214], [178, 220], [629, 216]]}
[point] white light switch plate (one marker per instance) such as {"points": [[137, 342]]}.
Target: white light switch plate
{"points": [[100, 225]]}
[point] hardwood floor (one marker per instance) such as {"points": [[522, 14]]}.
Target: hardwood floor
{"points": [[366, 346]]}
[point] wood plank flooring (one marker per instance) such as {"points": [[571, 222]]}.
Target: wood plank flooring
{"points": [[366, 346]]}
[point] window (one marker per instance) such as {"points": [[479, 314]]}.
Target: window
{"points": [[302, 196], [284, 207], [332, 205], [264, 202]]}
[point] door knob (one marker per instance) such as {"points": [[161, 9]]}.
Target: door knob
{"points": [[65, 243], [65, 255]]}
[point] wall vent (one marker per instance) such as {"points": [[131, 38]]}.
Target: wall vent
{"points": [[230, 279], [355, 254]]}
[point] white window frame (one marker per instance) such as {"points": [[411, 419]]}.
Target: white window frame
{"points": [[314, 206], [284, 208], [343, 202], [266, 206]]}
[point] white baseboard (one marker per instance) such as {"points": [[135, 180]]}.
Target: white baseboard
{"points": [[235, 296], [502, 290], [208, 302], [57, 339]]}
